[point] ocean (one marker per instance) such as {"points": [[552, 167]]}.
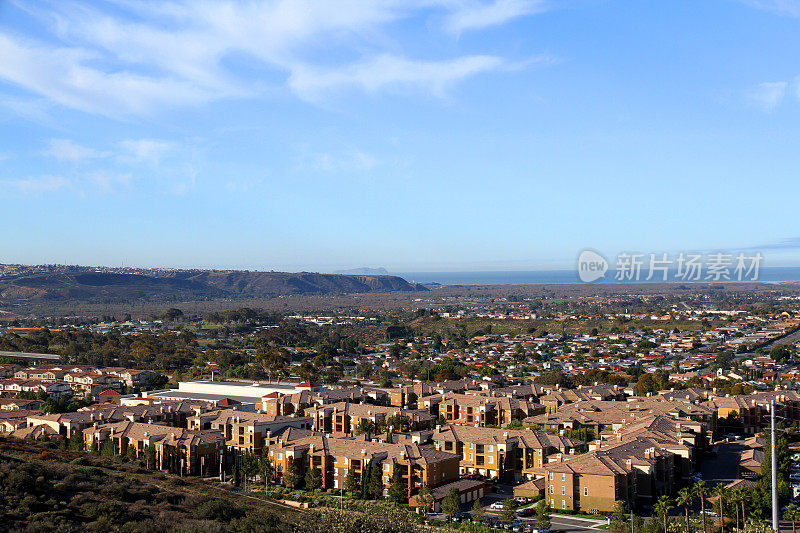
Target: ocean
{"points": [[539, 277]]}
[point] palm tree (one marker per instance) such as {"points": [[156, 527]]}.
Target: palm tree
{"points": [[661, 508], [792, 513], [736, 496], [700, 489], [719, 492], [685, 499]]}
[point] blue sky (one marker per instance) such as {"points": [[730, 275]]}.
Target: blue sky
{"points": [[410, 134]]}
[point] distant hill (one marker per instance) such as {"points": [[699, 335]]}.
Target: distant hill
{"points": [[108, 285], [364, 271]]}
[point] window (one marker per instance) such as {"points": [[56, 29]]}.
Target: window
{"points": [[490, 448], [491, 459], [563, 504], [552, 489], [585, 491], [563, 477], [448, 446], [563, 491], [551, 476], [386, 468]]}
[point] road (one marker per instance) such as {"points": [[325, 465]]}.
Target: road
{"points": [[723, 468], [29, 355]]}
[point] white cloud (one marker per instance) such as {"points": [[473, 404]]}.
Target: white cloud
{"points": [[392, 72], [475, 15], [143, 56], [145, 150], [63, 75], [781, 7], [347, 161], [67, 150], [39, 185], [109, 181], [768, 95]]}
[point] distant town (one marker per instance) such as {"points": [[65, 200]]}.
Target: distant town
{"points": [[589, 412]]}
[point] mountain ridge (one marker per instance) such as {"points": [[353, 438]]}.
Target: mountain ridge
{"points": [[20, 283]]}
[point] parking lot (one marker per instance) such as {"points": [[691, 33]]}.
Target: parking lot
{"points": [[493, 506]]}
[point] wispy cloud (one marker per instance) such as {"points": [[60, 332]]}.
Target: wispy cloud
{"points": [[792, 243], [346, 161], [40, 185], [480, 15], [68, 150], [145, 150], [781, 7], [391, 72], [768, 95], [142, 56], [108, 181]]}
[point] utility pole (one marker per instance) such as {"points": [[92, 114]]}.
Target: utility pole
{"points": [[774, 465]]}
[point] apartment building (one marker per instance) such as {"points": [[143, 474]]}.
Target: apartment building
{"points": [[637, 471], [176, 449], [478, 410], [557, 398], [345, 417], [409, 395], [172, 414], [245, 431], [508, 455], [276, 403], [335, 457]]}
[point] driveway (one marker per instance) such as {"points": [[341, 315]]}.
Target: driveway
{"points": [[725, 466]]}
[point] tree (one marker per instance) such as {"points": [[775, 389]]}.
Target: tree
{"points": [[719, 492], [685, 499], [661, 508], [700, 489], [792, 513], [543, 515], [507, 513], [425, 499], [398, 490], [76, 441], [452, 502], [365, 427], [291, 478], [620, 517], [478, 513], [313, 479], [249, 467], [375, 488], [266, 468], [352, 483]]}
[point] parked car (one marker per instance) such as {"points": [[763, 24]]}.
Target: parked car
{"points": [[522, 500], [526, 511], [711, 513], [497, 506]]}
